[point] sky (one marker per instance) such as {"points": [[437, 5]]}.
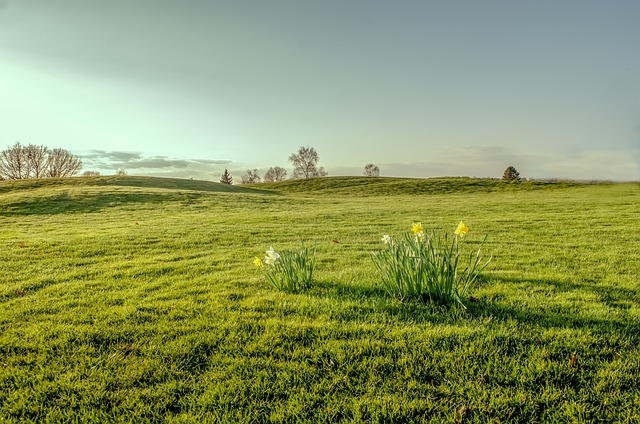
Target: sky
{"points": [[421, 88]]}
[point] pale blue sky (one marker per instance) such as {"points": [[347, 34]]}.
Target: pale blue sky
{"points": [[421, 88]]}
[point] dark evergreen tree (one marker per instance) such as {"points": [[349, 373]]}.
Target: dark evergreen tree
{"points": [[510, 174], [226, 177]]}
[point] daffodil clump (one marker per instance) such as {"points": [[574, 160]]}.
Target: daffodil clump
{"points": [[428, 266], [289, 270]]}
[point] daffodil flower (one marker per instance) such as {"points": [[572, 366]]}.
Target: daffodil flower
{"points": [[258, 262], [272, 256], [386, 239], [462, 229], [416, 228]]}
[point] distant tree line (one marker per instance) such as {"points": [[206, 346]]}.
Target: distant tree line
{"points": [[305, 165], [23, 162]]}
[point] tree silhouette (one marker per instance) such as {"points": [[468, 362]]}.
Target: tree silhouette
{"points": [[251, 177], [275, 174], [63, 164], [21, 162], [305, 163], [371, 170], [226, 177], [510, 174]]}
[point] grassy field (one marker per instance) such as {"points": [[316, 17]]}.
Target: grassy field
{"points": [[130, 299]]}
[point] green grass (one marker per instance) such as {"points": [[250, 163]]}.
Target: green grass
{"points": [[134, 299]]}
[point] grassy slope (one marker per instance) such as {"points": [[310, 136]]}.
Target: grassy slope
{"points": [[366, 186], [135, 298]]}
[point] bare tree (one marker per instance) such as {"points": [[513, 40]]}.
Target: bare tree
{"points": [[38, 158], [91, 174], [21, 162], [121, 172], [251, 177], [371, 170], [226, 177], [14, 163], [274, 174], [63, 164], [305, 163]]}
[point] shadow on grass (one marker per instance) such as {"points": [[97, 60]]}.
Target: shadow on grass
{"points": [[561, 316], [177, 184], [361, 302], [367, 301], [126, 181], [64, 203], [40, 199], [612, 296]]}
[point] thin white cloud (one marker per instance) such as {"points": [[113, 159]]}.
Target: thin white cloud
{"points": [[491, 161], [136, 163]]}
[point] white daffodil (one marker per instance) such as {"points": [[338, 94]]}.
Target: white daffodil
{"points": [[272, 256], [386, 239]]}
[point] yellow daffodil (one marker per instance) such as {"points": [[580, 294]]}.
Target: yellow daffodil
{"points": [[462, 229], [417, 228], [258, 262]]}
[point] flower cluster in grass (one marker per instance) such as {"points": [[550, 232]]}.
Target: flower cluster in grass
{"points": [[289, 270], [428, 266]]}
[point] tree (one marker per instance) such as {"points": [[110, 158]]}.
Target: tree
{"points": [[13, 163], [251, 177], [22, 162], [371, 170], [226, 178], [63, 164], [91, 174], [121, 172], [16, 161], [275, 174], [510, 174], [38, 158], [305, 164]]}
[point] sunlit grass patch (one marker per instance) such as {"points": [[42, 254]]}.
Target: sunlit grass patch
{"points": [[139, 302]]}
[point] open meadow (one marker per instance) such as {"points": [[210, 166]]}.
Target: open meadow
{"points": [[132, 299]]}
